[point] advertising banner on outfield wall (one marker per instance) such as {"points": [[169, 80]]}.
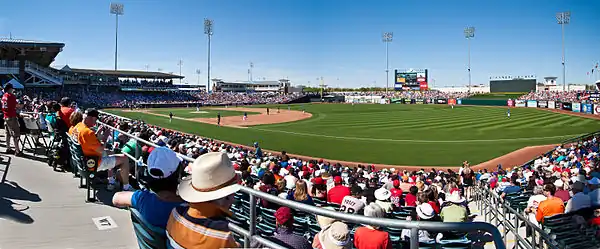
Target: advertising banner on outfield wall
{"points": [[587, 108], [542, 104], [566, 106], [520, 103], [531, 103], [452, 101], [597, 109], [576, 107], [420, 101], [558, 105], [551, 104], [459, 101], [510, 102], [441, 101]]}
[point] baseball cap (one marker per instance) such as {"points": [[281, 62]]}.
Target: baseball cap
{"points": [[396, 183], [337, 179], [162, 162], [318, 181], [92, 112], [283, 215]]}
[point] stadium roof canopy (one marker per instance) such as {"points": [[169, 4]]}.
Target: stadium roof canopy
{"points": [[39, 52], [122, 73]]}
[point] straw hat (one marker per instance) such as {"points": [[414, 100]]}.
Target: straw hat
{"points": [[455, 197], [382, 194], [212, 178]]}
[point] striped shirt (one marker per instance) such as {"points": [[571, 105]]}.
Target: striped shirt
{"points": [[201, 225]]}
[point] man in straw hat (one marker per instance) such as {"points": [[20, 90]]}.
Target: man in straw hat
{"points": [[334, 236], [209, 192]]}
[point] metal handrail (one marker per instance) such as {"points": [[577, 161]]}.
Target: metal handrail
{"points": [[488, 202], [414, 226]]}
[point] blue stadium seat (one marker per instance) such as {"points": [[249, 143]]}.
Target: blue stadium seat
{"points": [[148, 235]]}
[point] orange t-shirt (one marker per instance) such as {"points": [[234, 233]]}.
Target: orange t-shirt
{"points": [[549, 207], [87, 139]]}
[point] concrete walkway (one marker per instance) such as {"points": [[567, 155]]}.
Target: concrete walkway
{"points": [[41, 208]]}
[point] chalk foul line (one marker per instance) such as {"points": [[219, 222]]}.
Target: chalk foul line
{"points": [[417, 141]]}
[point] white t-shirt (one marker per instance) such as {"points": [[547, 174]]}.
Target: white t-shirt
{"points": [[351, 205]]}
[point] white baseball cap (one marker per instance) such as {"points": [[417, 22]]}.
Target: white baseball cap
{"points": [[162, 162]]}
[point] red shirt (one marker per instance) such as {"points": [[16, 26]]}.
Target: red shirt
{"points": [[9, 105], [410, 200], [337, 194], [65, 115], [367, 238], [563, 195], [396, 196]]}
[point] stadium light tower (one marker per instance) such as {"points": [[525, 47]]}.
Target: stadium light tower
{"points": [[250, 72], [198, 72], [146, 67], [208, 30], [180, 64], [387, 38], [469, 33], [563, 18], [117, 10]]}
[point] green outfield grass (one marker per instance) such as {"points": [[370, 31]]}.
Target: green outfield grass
{"points": [[205, 112], [423, 135], [494, 96]]}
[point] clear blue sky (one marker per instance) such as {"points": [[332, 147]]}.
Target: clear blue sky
{"points": [[303, 40]]}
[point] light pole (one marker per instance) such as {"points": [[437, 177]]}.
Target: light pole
{"points": [[250, 72], [147, 67], [180, 64], [563, 18], [117, 10], [208, 30], [387, 38], [469, 33], [198, 72]]}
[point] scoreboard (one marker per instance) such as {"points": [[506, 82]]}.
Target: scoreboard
{"points": [[411, 80]]}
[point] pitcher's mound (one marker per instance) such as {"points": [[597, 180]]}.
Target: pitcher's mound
{"points": [[200, 112]]}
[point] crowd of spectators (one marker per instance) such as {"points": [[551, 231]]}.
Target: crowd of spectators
{"points": [[431, 94], [133, 99], [568, 96], [428, 194], [563, 181]]}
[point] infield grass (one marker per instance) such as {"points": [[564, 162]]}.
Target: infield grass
{"points": [[412, 135]]}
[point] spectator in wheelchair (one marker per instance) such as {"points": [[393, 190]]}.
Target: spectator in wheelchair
{"points": [[209, 191], [156, 202], [91, 146]]}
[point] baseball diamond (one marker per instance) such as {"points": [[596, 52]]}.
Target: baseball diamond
{"points": [[422, 135]]}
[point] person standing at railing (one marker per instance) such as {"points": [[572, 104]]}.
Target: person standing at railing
{"points": [[11, 122]]}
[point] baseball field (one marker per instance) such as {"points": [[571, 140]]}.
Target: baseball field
{"points": [[416, 135]]}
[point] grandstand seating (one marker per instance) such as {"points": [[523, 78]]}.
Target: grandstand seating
{"points": [[148, 235]]}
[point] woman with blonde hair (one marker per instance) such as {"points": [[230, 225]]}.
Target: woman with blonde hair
{"points": [[300, 194]]}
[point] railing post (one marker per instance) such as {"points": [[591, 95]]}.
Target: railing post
{"points": [[414, 238], [533, 232], [251, 222], [516, 232]]}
